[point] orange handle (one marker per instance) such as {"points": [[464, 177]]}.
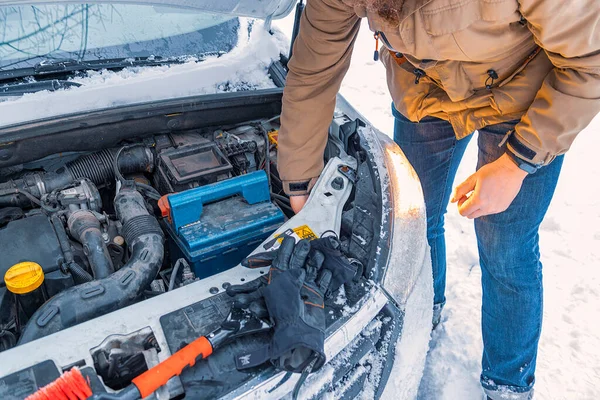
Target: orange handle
{"points": [[148, 382]]}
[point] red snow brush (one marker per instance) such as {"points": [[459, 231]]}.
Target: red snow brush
{"points": [[73, 386], [69, 386]]}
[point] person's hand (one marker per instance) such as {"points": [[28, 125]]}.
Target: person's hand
{"points": [[297, 202], [490, 190]]}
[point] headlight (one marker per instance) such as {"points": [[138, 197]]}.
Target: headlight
{"points": [[406, 274], [404, 224]]}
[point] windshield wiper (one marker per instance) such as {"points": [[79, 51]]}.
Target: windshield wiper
{"points": [[19, 89], [67, 66], [54, 66]]}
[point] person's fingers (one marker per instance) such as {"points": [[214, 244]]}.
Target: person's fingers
{"points": [[324, 280], [472, 203], [313, 265], [284, 253], [259, 260], [332, 242], [469, 206], [464, 188], [476, 214], [259, 308], [297, 202], [300, 254], [244, 300], [300, 274], [247, 287]]}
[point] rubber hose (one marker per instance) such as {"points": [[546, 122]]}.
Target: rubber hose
{"points": [[93, 299], [98, 167], [80, 275], [85, 228], [7, 340]]}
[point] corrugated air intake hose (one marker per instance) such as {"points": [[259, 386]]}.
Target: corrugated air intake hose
{"points": [[81, 303]]}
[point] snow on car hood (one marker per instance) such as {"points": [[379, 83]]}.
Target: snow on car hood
{"points": [[243, 8], [245, 67]]}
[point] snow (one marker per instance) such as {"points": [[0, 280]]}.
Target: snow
{"points": [[245, 67], [569, 352], [410, 355], [341, 299]]}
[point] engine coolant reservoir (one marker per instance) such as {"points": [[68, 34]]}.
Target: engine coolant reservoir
{"points": [[25, 280]]}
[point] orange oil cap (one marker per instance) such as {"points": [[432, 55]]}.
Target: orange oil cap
{"points": [[24, 277]]}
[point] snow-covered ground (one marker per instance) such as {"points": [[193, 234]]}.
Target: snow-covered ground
{"points": [[569, 352], [569, 356]]}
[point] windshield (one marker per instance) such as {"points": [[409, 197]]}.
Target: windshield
{"points": [[85, 32]]}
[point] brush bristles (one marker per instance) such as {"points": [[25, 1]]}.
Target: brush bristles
{"points": [[70, 386]]}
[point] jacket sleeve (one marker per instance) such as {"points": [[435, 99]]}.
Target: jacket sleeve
{"points": [[321, 57], [569, 33]]}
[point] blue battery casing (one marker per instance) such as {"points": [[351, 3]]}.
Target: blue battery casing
{"points": [[215, 226]]}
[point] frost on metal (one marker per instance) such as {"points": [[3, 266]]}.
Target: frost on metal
{"points": [[321, 384], [402, 199], [411, 349], [244, 68]]}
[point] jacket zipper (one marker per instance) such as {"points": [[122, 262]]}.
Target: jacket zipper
{"points": [[376, 54], [380, 35], [530, 57], [385, 41], [419, 73]]}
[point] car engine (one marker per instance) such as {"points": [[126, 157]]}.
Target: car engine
{"points": [[82, 235]]}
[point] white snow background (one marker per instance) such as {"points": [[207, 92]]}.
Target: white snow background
{"points": [[569, 352], [569, 355]]}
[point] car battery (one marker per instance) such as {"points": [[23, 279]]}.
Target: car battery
{"points": [[215, 226]]}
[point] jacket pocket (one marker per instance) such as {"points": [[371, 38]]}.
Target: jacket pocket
{"points": [[460, 14], [517, 93], [519, 69]]}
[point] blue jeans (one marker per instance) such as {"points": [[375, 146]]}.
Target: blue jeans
{"points": [[508, 247]]}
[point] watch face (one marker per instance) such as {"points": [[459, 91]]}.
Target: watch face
{"points": [[530, 169], [524, 165]]}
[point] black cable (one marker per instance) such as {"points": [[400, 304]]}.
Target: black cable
{"points": [[24, 192], [284, 199], [267, 153], [7, 340], [175, 271], [63, 240], [118, 175], [335, 235], [48, 208], [149, 191], [280, 204], [116, 169], [153, 293], [305, 372]]}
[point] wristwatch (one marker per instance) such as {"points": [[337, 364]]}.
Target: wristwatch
{"points": [[524, 165]]}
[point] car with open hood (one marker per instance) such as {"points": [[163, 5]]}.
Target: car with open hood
{"points": [[138, 167]]}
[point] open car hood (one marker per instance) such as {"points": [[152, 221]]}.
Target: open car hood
{"points": [[265, 9]]}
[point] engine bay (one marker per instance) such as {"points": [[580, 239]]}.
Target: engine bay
{"points": [[75, 219], [85, 234]]}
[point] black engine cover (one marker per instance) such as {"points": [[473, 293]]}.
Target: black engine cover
{"points": [[29, 239]]}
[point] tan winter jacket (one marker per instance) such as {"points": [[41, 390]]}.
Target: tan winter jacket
{"points": [[470, 62]]}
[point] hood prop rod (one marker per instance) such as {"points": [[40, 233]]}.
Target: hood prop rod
{"points": [[298, 15]]}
